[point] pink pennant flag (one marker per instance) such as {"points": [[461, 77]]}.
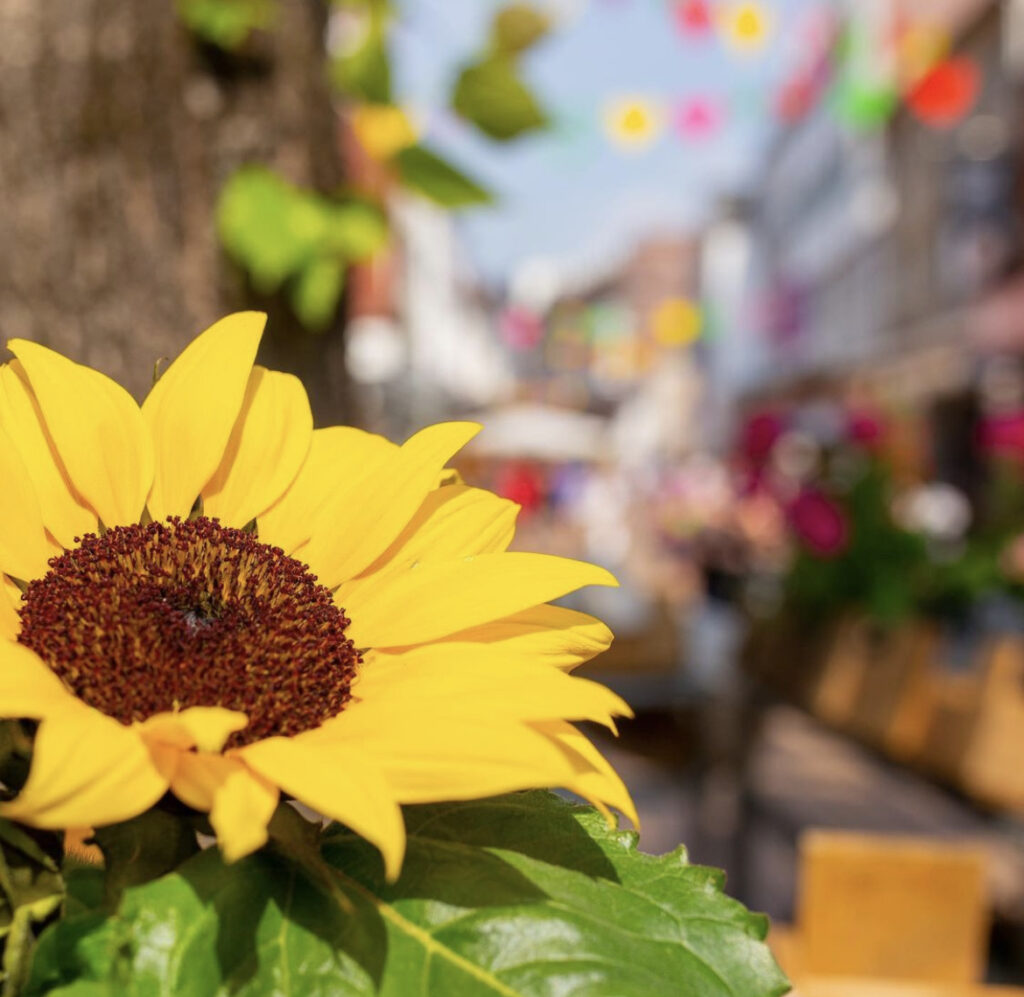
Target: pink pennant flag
{"points": [[698, 118], [693, 18]]}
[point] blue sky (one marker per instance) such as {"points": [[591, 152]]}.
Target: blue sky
{"points": [[568, 192]]}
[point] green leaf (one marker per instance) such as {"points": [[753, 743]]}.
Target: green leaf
{"points": [[315, 293], [143, 848], [264, 227], [519, 896], [491, 95], [226, 23], [283, 234], [428, 174], [517, 27], [31, 891], [365, 71], [355, 230]]}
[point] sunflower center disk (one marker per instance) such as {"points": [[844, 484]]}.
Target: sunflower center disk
{"points": [[145, 619]]}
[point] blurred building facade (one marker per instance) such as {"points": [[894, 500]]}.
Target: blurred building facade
{"points": [[882, 258]]}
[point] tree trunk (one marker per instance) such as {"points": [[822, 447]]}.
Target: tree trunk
{"points": [[117, 132]]}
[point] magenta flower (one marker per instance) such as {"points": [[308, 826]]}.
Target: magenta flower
{"points": [[819, 523]]}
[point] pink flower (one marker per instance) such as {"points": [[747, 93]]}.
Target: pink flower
{"points": [[1003, 434], [865, 428], [759, 435], [819, 523]]}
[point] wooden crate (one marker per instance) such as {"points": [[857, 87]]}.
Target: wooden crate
{"points": [[846, 661], [891, 680], [907, 729], [992, 765]]}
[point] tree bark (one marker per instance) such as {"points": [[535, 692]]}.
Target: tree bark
{"points": [[117, 131]]}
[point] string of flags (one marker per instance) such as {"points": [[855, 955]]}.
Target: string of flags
{"points": [[744, 28], [864, 67]]}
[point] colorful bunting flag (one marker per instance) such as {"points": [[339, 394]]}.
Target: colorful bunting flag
{"points": [[633, 123], [919, 48], [676, 322], [520, 328], [745, 27], [945, 95], [693, 18], [697, 118]]}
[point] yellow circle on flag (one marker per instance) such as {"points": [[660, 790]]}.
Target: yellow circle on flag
{"points": [[921, 47], [676, 322], [745, 26], [632, 122]]}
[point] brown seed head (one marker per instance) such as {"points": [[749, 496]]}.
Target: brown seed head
{"points": [[164, 616]]}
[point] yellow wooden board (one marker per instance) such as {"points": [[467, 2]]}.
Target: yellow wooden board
{"points": [[848, 986], [891, 907]]}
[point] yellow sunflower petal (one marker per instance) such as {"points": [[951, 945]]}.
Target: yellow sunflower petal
{"points": [[64, 515], [560, 637], [87, 770], [339, 459], [595, 780], [520, 689], [456, 753], [202, 727], [430, 601], [97, 430], [192, 410], [239, 802], [27, 686], [353, 530], [24, 545], [454, 521], [267, 447], [10, 600], [339, 781]]}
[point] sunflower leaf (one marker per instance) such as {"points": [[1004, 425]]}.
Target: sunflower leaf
{"points": [[31, 891], [516, 896], [143, 848]]}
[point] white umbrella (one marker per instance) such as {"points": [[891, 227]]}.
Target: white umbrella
{"points": [[542, 432]]}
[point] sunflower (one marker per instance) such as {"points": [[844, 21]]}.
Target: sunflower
{"points": [[206, 597]]}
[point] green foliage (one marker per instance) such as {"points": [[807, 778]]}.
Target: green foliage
{"points": [[365, 71], [878, 570], [951, 588], [31, 891], [491, 95], [519, 895], [517, 27], [316, 292], [138, 850], [283, 235], [490, 92], [226, 23], [428, 174]]}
